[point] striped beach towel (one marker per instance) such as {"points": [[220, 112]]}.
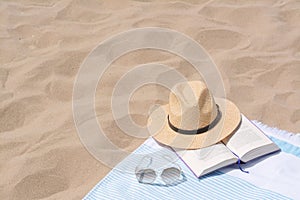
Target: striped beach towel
{"points": [[276, 176]]}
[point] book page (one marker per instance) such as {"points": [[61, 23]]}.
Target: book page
{"points": [[208, 159], [249, 139]]}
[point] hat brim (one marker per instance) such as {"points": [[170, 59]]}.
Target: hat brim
{"points": [[160, 130]]}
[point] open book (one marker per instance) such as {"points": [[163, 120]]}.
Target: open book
{"points": [[247, 143]]}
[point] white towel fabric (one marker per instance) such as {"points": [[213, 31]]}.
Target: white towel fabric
{"points": [[280, 173]]}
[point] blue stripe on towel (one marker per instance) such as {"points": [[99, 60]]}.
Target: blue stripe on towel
{"points": [[217, 185], [286, 147]]}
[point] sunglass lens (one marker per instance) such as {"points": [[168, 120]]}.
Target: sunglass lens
{"points": [[170, 175], [146, 175]]}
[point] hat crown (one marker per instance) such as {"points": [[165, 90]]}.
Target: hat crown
{"points": [[191, 106]]}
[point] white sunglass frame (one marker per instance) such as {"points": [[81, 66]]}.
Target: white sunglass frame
{"points": [[138, 170]]}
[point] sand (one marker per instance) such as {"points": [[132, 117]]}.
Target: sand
{"points": [[255, 44]]}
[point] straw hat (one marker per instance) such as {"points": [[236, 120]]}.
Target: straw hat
{"points": [[193, 118]]}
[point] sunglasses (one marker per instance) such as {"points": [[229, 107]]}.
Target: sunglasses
{"points": [[146, 175]]}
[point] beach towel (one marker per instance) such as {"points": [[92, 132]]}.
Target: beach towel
{"points": [[275, 176]]}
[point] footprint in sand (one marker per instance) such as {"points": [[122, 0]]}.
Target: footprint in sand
{"points": [[247, 65], [66, 65], [82, 11], [13, 115], [296, 84], [221, 39], [59, 90], [70, 64], [6, 96], [291, 16], [282, 97], [270, 78], [40, 185], [3, 77], [295, 116]]}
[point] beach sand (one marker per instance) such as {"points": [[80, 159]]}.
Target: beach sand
{"points": [[255, 44]]}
